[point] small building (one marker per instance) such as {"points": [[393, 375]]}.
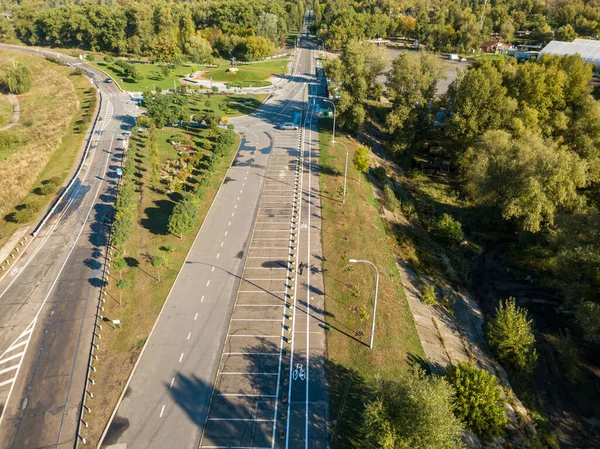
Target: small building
{"points": [[491, 46]]}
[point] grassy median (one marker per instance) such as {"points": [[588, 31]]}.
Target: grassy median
{"points": [[137, 306], [356, 230]]}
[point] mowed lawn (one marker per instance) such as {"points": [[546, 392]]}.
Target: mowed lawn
{"points": [[356, 230], [153, 77], [222, 104], [259, 71]]}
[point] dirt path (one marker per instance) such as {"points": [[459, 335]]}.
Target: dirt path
{"points": [[16, 113]]}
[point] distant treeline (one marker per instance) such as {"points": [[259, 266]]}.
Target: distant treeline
{"points": [[163, 31]]}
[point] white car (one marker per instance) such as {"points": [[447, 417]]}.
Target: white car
{"points": [[288, 126]]}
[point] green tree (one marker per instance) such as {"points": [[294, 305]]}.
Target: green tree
{"points": [[447, 231], [566, 33], [414, 411], [17, 78], [478, 399], [361, 160], [411, 85], [199, 49], [510, 334], [588, 317], [183, 217], [355, 72], [527, 177], [158, 261], [479, 103]]}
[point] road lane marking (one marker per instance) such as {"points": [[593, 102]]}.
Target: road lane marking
{"points": [[226, 232], [181, 357], [213, 268], [232, 214], [196, 316], [229, 224], [246, 373], [247, 395], [218, 254], [189, 335], [239, 419], [161, 411], [172, 381], [251, 353], [207, 283], [251, 335]]}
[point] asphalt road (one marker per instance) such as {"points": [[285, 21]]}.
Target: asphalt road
{"points": [[216, 371], [48, 300]]}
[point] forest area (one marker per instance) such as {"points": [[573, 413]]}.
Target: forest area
{"points": [[500, 179]]}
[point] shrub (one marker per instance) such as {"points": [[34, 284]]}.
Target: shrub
{"points": [[413, 411], [109, 59], [390, 200], [478, 400], [17, 78], [123, 284], [587, 315], [26, 213], [90, 57], [380, 174], [447, 231], [510, 335], [429, 295]]}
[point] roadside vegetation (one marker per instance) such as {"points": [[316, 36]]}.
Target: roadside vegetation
{"points": [[40, 150], [496, 190], [170, 177]]}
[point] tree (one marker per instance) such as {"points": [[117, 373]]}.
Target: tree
{"points": [[411, 85], [361, 160], [447, 231], [183, 217], [355, 72], [510, 335], [158, 261], [527, 177], [479, 103], [414, 411], [17, 78], [258, 48], [478, 399], [199, 49], [566, 33], [588, 317]]}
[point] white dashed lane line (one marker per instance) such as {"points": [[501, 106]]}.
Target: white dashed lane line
{"points": [[162, 410], [181, 357]]}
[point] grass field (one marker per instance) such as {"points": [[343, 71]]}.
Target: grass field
{"points": [[143, 301], [356, 230], [153, 78], [259, 71], [55, 115], [5, 110], [221, 104]]}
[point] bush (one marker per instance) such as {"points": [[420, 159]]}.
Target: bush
{"points": [[429, 294], [478, 401], [447, 231], [510, 335], [390, 200], [17, 79], [414, 411], [109, 59], [587, 315], [90, 57], [380, 174], [25, 213], [123, 284]]}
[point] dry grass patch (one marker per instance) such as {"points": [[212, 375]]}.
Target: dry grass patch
{"points": [[356, 230], [143, 301], [55, 115], [6, 110]]}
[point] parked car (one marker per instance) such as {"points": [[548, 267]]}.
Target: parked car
{"points": [[288, 126]]}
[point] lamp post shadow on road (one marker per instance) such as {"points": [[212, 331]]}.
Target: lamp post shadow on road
{"points": [[376, 290]]}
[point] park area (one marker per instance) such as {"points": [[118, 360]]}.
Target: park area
{"points": [[159, 76]]}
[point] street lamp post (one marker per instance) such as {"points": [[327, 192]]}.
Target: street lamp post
{"points": [[376, 289], [345, 169], [334, 115]]}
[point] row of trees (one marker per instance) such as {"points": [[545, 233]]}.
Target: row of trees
{"points": [[447, 25], [165, 32]]}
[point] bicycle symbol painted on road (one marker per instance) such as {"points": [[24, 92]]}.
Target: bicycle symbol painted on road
{"points": [[304, 225], [299, 372]]}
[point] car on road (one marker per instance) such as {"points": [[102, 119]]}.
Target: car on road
{"points": [[288, 126], [119, 172], [108, 80]]}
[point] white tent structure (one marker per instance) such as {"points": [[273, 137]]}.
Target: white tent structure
{"points": [[588, 49]]}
